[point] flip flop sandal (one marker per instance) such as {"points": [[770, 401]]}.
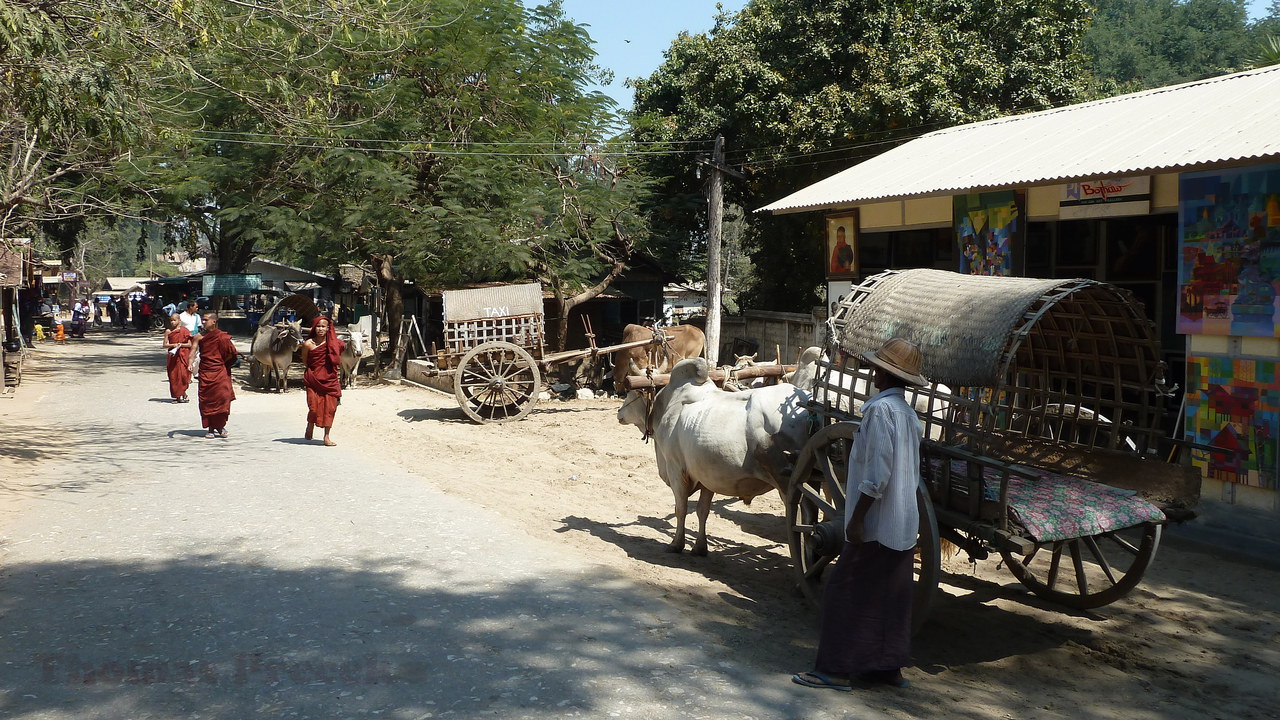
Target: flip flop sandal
{"points": [[818, 680], [210, 435]]}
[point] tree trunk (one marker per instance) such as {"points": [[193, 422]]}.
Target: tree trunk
{"points": [[390, 286], [65, 233], [617, 265]]}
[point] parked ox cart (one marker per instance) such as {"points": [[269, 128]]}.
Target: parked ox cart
{"points": [[1044, 440], [1044, 434], [494, 351]]}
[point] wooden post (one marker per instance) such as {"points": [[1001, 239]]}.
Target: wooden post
{"points": [[715, 219]]}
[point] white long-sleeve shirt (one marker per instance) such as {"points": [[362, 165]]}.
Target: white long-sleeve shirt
{"points": [[884, 463]]}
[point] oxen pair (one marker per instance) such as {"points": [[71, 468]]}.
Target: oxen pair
{"points": [[741, 444], [275, 346]]}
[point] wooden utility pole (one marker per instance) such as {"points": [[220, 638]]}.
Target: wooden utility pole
{"points": [[715, 219]]}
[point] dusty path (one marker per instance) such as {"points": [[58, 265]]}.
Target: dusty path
{"points": [[512, 571]]}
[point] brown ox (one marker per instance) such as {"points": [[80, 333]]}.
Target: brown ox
{"points": [[686, 341]]}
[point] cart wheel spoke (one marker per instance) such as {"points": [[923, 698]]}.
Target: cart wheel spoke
{"points": [[1052, 579], [814, 571], [832, 479], [1100, 559], [816, 498], [1082, 581], [1125, 544]]}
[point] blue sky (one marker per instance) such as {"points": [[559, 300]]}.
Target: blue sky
{"points": [[631, 36]]}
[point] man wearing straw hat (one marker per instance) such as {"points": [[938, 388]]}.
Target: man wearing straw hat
{"points": [[866, 617]]}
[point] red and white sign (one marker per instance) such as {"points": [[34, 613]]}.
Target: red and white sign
{"points": [[1105, 197]]}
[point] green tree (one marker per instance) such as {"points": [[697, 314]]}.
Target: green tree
{"points": [[1266, 37], [1140, 44], [76, 97], [445, 142], [803, 89]]}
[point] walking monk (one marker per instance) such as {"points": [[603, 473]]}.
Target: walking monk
{"points": [[177, 344], [217, 354], [321, 353]]}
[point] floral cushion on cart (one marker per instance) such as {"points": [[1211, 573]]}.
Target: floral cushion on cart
{"points": [[1060, 507]]}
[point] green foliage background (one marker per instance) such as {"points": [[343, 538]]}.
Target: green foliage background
{"points": [[458, 138]]}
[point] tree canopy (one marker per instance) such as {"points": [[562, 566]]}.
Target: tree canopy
{"points": [[803, 88], [1141, 44]]}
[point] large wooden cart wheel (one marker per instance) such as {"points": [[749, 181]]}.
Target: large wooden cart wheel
{"points": [[497, 382], [815, 520], [1087, 572]]}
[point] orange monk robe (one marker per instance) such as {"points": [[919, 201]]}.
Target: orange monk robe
{"points": [[217, 352], [178, 363], [323, 381]]}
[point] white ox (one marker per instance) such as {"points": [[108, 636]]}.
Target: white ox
{"points": [[739, 444], [353, 352]]}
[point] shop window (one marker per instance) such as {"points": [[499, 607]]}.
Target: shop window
{"points": [[933, 248], [913, 249], [1077, 245], [1134, 248], [873, 252], [1039, 249]]}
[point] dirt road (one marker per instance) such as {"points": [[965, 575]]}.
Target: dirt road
{"points": [[563, 503]]}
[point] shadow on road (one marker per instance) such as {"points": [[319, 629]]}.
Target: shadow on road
{"points": [[224, 638]]}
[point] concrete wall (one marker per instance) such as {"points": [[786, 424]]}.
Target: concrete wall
{"points": [[772, 332]]}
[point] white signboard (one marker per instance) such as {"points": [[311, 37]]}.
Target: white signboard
{"points": [[1105, 197], [492, 302]]}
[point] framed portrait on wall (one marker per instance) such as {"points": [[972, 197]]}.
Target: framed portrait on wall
{"points": [[842, 245]]}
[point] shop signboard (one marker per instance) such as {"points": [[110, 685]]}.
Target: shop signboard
{"points": [[230, 284], [70, 277], [1105, 197], [492, 302]]}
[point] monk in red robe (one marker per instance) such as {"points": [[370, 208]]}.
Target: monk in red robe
{"points": [[177, 345], [321, 355], [217, 354]]}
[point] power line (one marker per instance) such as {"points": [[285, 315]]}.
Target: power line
{"points": [[422, 151], [552, 143]]}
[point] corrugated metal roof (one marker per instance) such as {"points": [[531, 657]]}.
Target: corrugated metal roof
{"points": [[1217, 121]]}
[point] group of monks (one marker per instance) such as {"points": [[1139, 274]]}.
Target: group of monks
{"points": [[321, 353]]}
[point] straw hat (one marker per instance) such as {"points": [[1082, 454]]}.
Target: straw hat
{"points": [[900, 358]]}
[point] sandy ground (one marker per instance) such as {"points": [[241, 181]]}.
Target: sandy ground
{"points": [[1200, 638]]}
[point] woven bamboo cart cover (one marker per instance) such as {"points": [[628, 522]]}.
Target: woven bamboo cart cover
{"points": [[1061, 507], [960, 322]]}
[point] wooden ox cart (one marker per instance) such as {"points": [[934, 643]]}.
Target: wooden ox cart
{"points": [[1043, 431], [493, 350]]}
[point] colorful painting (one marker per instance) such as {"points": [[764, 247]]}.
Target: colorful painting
{"points": [[1234, 404], [1229, 262], [986, 226]]}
